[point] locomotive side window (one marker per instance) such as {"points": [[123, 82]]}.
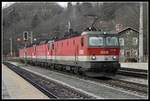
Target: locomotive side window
{"points": [[49, 46], [82, 41], [73, 42], [34, 49], [67, 43], [52, 45]]}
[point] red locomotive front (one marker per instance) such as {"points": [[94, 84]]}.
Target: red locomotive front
{"points": [[101, 54]]}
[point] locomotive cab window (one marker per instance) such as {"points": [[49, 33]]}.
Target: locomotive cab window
{"points": [[112, 41], [96, 41]]}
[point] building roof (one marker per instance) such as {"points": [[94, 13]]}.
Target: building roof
{"points": [[128, 28], [98, 32]]}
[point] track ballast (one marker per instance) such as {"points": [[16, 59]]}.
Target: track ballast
{"points": [[48, 87]]}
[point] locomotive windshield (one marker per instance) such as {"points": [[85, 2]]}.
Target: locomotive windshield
{"points": [[96, 41], [111, 41], [103, 41]]}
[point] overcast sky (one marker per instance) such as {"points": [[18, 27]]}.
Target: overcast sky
{"points": [[6, 4]]}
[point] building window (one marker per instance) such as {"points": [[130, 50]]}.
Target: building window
{"points": [[134, 53], [121, 41], [127, 54], [134, 40], [131, 31], [122, 52], [128, 32]]}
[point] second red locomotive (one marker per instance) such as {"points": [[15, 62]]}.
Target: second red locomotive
{"points": [[94, 53]]}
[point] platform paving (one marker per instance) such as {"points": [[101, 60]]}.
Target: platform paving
{"points": [[142, 66], [15, 87], [5, 94]]}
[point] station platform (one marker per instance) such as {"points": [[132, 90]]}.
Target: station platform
{"points": [[15, 87], [142, 66]]}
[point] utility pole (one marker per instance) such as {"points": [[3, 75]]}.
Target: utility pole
{"points": [[25, 53], [141, 34], [31, 37], [10, 46], [69, 26]]}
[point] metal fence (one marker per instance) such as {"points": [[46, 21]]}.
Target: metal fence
{"points": [[132, 59]]}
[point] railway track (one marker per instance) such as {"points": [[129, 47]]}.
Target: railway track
{"points": [[48, 87], [133, 72], [137, 88], [140, 89]]}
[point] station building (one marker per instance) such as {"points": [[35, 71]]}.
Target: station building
{"points": [[129, 44]]}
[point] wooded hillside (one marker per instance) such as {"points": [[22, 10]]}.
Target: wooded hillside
{"points": [[46, 18]]}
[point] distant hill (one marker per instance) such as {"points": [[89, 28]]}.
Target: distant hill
{"points": [[45, 19]]}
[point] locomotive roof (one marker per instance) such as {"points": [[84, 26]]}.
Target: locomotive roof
{"points": [[74, 35], [97, 32]]}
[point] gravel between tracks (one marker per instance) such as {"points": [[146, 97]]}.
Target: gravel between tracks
{"points": [[95, 88], [52, 88]]}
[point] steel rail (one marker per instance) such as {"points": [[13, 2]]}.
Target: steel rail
{"points": [[133, 72], [65, 92], [42, 89], [126, 85]]}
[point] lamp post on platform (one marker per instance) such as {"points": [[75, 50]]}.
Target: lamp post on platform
{"points": [[10, 46]]}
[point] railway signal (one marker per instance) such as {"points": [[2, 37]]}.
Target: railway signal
{"points": [[25, 36], [28, 36]]}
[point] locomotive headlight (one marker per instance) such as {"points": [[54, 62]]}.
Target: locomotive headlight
{"points": [[93, 57], [114, 57]]}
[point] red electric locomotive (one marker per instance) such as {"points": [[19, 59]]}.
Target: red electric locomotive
{"points": [[93, 53]]}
